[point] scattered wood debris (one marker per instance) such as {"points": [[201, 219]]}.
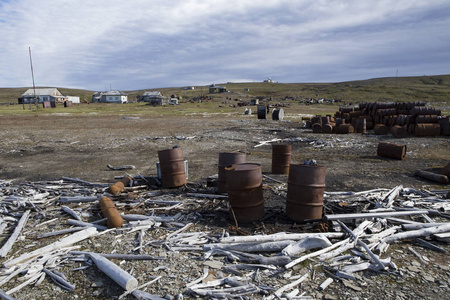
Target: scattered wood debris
{"points": [[56, 227]]}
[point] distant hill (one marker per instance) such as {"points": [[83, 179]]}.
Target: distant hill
{"points": [[431, 89]]}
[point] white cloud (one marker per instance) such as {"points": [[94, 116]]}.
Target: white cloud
{"points": [[145, 44]]}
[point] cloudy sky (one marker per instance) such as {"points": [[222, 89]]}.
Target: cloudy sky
{"points": [[144, 44]]}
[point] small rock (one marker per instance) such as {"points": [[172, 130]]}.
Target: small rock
{"points": [[329, 297], [352, 286], [428, 278]]}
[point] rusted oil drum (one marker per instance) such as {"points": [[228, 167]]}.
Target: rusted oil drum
{"points": [[118, 187], [110, 212], [244, 187], [173, 172], [411, 128], [262, 112], [360, 125], [381, 129], [427, 129], [425, 110], [306, 185], [278, 114], [327, 128], [316, 128], [345, 128], [339, 121], [228, 159], [398, 131], [446, 170], [426, 119], [325, 120], [445, 126], [281, 158], [391, 150], [432, 176], [46, 104], [67, 103]]}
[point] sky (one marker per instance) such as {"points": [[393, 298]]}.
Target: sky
{"points": [[146, 44]]}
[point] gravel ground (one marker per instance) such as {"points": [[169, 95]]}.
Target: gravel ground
{"points": [[38, 151]]}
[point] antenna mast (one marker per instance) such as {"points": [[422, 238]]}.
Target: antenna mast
{"points": [[32, 76]]}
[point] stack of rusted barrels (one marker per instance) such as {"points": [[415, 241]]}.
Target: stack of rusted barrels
{"points": [[396, 118]]}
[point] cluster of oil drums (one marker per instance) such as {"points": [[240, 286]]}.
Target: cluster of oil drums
{"points": [[395, 118], [243, 183]]}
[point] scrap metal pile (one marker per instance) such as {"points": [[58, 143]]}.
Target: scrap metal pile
{"points": [[56, 230]]}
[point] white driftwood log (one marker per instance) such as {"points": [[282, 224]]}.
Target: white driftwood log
{"points": [[10, 242], [250, 247], [278, 237], [71, 212], [72, 239], [326, 283], [85, 224], [209, 196], [374, 215], [417, 233], [306, 244], [70, 199], [59, 232], [120, 276]]}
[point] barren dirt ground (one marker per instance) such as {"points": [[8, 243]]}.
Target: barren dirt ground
{"points": [[49, 147]]}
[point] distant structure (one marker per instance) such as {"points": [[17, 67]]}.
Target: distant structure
{"points": [[114, 96], [153, 98], [269, 80], [217, 89], [189, 88], [42, 95]]}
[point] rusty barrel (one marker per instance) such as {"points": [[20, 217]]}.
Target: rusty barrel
{"points": [[316, 128], [171, 163], [381, 129], [432, 176], [262, 112], [278, 114], [118, 187], [445, 125], [427, 119], [306, 185], [360, 125], [327, 128], [427, 129], [281, 158], [345, 128], [398, 131], [244, 187], [228, 159], [110, 212], [391, 150]]}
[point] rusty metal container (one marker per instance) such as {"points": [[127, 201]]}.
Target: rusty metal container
{"points": [[360, 125], [278, 114], [432, 176], [262, 112], [244, 187], [425, 110], [381, 129], [339, 121], [445, 125], [119, 186], [281, 158], [427, 129], [225, 160], [110, 212], [345, 128], [46, 104], [328, 128], [306, 185], [426, 119], [67, 103], [446, 170], [173, 171], [325, 120], [391, 150], [398, 131], [316, 128]]}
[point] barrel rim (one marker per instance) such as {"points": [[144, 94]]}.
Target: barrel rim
{"points": [[233, 167]]}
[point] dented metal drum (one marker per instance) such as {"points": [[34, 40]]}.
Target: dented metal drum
{"points": [[228, 159], [244, 187], [345, 128], [173, 172], [381, 129], [281, 158], [110, 212], [262, 112], [360, 125], [306, 185], [277, 114], [427, 129], [391, 150]]}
